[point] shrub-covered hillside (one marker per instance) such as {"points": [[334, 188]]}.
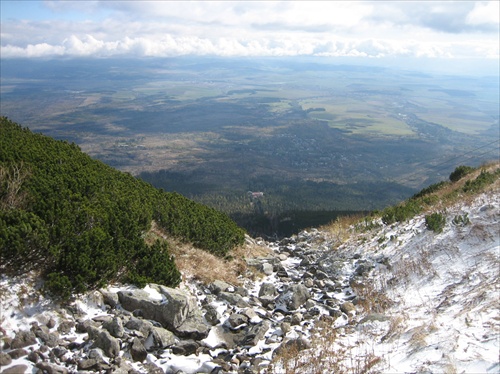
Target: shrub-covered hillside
{"points": [[81, 223]]}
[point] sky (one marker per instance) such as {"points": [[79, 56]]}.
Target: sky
{"points": [[444, 30]]}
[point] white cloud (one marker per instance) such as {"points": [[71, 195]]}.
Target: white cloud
{"points": [[249, 28], [485, 13]]}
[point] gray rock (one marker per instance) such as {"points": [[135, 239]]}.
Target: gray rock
{"points": [[5, 359], [16, 369], [137, 324], [297, 344], [218, 286], [266, 268], [19, 352], [267, 289], [110, 298], [297, 318], [178, 313], [23, 339], [65, 327], [185, 347], [88, 364], [292, 297], [237, 319], [234, 299], [115, 327], [137, 350], [211, 315], [161, 338], [347, 307], [103, 339], [50, 368]]}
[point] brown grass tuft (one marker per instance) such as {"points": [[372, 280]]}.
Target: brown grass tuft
{"points": [[200, 265]]}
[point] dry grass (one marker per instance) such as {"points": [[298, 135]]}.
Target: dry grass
{"points": [[328, 355], [202, 266], [340, 229]]}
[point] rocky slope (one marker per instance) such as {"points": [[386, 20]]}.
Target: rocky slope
{"points": [[396, 299]]}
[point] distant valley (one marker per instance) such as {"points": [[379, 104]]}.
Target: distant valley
{"points": [[318, 139]]}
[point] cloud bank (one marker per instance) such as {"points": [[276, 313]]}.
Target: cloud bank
{"points": [[298, 28]]}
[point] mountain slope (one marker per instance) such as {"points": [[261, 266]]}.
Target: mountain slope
{"points": [[81, 223]]}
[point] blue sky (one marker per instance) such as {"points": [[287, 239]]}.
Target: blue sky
{"points": [[444, 30]]}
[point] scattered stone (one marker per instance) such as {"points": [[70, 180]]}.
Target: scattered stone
{"points": [[236, 320], [15, 369], [23, 339], [5, 359], [347, 307], [218, 286], [292, 297], [110, 298], [137, 350], [19, 352], [51, 323], [50, 368], [103, 339], [211, 315], [160, 338], [234, 299], [114, 327], [185, 347]]}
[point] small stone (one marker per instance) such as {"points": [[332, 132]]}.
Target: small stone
{"points": [[5, 359], [16, 369]]}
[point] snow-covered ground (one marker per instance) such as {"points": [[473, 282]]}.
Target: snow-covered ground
{"points": [[442, 292], [429, 305]]}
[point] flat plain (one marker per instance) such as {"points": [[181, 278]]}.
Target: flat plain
{"points": [[314, 137]]}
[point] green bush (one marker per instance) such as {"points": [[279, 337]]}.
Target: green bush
{"points": [[435, 222], [460, 172], [483, 179], [401, 213], [431, 189], [81, 222]]}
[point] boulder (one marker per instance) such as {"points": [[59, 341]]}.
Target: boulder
{"points": [[15, 369], [212, 316], [138, 351], [49, 368], [160, 338], [267, 289], [5, 359], [114, 327], [103, 339], [185, 347], [347, 307], [140, 325], [219, 286], [234, 299], [178, 312], [292, 297], [17, 353], [23, 339]]}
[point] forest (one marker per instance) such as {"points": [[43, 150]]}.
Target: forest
{"points": [[81, 223]]}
